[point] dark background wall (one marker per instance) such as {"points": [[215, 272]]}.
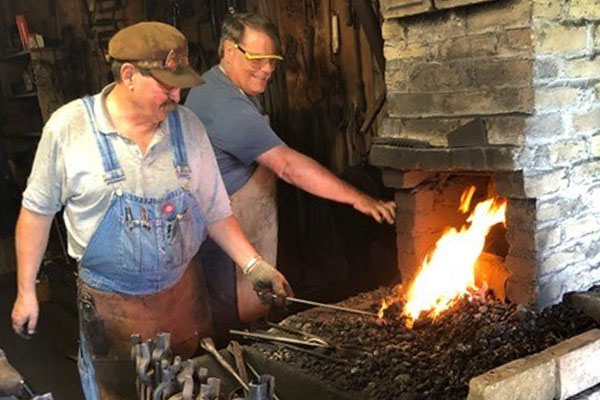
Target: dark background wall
{"points": [[318, 101]]}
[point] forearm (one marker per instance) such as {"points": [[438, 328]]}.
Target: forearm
{"points": [[310, 176], [228, 234], [31, 239]]}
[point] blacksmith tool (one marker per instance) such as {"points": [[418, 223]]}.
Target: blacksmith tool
{"points": [[298, 332], [306, 339], [168, 385], [143, 359], [162, 351], [295, 344], [263, 389], [208, 345], [211, 390], [311, 342], [277, 298], [257, 377], [237, 352]]}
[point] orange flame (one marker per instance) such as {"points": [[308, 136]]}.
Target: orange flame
{"points": [[448, 272]]}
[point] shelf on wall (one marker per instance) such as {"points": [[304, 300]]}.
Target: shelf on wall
{"points": [[23, 95]]}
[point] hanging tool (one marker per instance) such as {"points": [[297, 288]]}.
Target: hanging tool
{"points": [[370, 22], [277, 298]]}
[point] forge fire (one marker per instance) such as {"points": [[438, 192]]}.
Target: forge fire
{"points": [[448, 271]]}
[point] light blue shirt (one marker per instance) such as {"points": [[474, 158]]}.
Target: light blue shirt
{"points": [[67, 170]]}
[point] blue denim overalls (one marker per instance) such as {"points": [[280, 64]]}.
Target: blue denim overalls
{"points": [[135, 258]]}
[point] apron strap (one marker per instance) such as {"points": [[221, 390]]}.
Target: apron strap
{"points": [[112, 169], [179, 153]]}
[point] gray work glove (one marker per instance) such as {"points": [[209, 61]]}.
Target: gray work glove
{"points": [[265, 278]]}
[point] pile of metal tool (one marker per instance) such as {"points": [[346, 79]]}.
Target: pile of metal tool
{"points": [[162, 376]]}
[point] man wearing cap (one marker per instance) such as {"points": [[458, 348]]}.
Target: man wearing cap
{"points": [[140, 188], [248, 152]]}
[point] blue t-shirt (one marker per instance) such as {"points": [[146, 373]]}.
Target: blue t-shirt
{"points": [[239, 133]]}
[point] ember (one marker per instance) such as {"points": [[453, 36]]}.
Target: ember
{"points": [[436, 358], [448, 272]]}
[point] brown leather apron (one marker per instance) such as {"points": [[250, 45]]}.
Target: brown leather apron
{"points": [[181, 310], [255, 207]]}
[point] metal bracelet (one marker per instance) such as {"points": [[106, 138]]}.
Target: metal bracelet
{"points": [[251, 264]]}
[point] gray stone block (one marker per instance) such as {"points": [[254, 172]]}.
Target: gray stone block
{"points": [[587, 302], [510, 184], [455, 3], [473, 133], [469, 158], [401, 8], [529, 378], [434, 159], [501, 158], [577, 362], [404, 180]]}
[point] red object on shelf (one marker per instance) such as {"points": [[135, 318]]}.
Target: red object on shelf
{"points": [[23, 30]]}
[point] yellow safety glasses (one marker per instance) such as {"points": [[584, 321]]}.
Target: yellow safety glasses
{"points": [[259, 60]]}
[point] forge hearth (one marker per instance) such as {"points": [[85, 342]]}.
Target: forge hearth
{"points": [[434, 360], [503, 94]]}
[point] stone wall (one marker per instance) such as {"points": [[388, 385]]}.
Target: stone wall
{"points": [[528, 69], [562, 159], [444, 68]]}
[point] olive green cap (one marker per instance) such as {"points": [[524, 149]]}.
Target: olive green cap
{"points": [[157, 47]]}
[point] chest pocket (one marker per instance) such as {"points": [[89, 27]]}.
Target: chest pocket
{"points": [[158, 236]]}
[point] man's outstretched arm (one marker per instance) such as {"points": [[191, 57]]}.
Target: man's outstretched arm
{"points": [[307, 174]]}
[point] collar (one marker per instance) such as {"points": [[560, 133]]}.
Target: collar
{"points": [[104, 122], [222, 76]]}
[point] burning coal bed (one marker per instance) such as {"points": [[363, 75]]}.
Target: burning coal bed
{"points": [[433, 360]]}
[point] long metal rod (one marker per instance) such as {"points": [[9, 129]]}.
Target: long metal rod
{"points": [[275, 338], [330, 306]]}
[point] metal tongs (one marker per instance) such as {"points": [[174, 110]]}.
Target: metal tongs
{"points": [[272, 296], [300, 340]]}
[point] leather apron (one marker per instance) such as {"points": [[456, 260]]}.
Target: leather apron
{"points": [[255, 207], [139, 237], [233, 302]]}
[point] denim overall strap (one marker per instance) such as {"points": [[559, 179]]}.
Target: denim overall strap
{"points": [[179, 153], [112, 169]]}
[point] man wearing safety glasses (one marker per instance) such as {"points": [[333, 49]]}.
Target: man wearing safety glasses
{"points": [[250, 155]]}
